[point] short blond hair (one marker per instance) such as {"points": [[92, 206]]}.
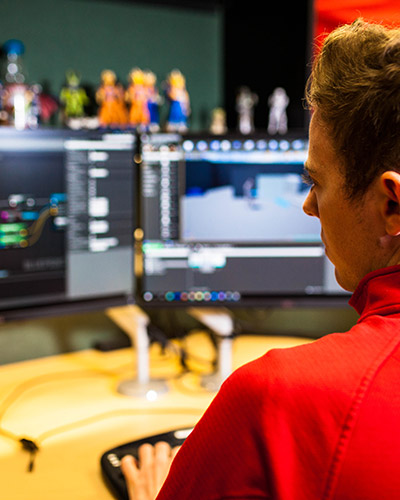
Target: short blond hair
{"points": [[355, 84]]}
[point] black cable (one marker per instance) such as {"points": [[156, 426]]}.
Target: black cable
{"points": [[32, 448]]}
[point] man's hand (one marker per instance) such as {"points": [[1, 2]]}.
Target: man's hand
{"points": [[144, 481]]}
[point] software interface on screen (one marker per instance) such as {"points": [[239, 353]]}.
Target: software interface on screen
{"points": [[223, 222], [66, 218]]}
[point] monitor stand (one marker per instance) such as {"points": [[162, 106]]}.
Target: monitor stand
{"points": [[133, 321], [220, 321]]}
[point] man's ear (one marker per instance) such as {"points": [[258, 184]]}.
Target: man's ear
{"points": [[390, 184]]}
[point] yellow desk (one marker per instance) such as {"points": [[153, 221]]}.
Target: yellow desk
{"points": [[69, 405]]}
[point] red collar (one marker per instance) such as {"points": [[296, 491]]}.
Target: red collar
{"points": [[378, 293]]}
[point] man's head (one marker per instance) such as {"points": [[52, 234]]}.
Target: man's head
{"points": [[354, 154], [355, 84]]}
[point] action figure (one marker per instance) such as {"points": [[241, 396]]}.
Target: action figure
{"points": [[34, 109], [73, 98], [42, 106], [178, 97], [153, 100], [137, 98], [17, 95], [110, 97], [218, 121], [245, 102], [278, 102], [3, 112]]}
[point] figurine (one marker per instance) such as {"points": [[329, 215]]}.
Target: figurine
{"points": [[218, 121], [73, 99], [278, 102], [153, 100], [3, 112], [137, 98], [178, 97], [245, 102], [17, 95], [110, 97], [42, 106], [34, 108]]}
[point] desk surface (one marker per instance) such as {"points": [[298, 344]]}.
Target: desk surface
{"points": [[69, 405]]}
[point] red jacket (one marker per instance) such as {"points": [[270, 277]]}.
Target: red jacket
{"points": [[318, 421]]}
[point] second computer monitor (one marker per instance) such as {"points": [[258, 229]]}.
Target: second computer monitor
{"points": [[223, 223]]}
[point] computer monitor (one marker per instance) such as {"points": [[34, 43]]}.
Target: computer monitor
{"points": [[67, 216], [223, 224]]}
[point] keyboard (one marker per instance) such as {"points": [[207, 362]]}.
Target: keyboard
{"points": [[111, 460]]}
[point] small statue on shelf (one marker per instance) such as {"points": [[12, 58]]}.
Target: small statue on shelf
{"points": [[153, 100], [245, 103], [278, 102], [179, 109], [34, 111], [110, 97], [137, 99], [17, 95], [3, 112], [73, 99], [218, 121]]}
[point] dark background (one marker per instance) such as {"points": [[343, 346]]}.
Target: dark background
{"points": [[265, 45]]}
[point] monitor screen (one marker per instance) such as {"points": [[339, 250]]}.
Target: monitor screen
{"points": [[66, 221], [223, 224]]}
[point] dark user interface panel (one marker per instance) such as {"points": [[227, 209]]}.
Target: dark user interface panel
{"points": [[66, 218], [223, 223]]}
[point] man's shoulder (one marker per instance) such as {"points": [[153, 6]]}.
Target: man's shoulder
{"points": [[336, 361]]}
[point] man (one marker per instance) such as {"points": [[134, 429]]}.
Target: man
{"points": [[321, 421]]}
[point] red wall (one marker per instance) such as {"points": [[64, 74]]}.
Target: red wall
{"points": [[330, 13]]}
